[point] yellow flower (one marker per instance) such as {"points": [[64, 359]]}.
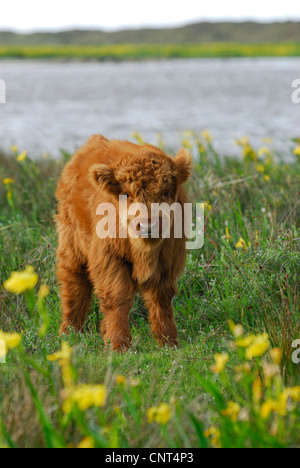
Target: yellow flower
{"points": [[276, 355], [280, 406], [245, 342], [22, 156], [236, 330], [207, 136], [8, 341], [292, 392], [214, 434], [258, 347], [241, 244], [86, 443], [8, 181], [44, 291], [226, 236], [207, 206], [138, 137], [64, 358], [221, 361], [85, 396], [14, 149], [260, 168], [264, 151], [186, 143], [267, 407], [20, 282], [232, 411], [161, 414], [121, 380], [296, 151], [267, 177], [63, 355]]}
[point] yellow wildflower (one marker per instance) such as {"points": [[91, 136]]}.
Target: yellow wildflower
{"points": [[264, 151], [86, 443], [232, 411], [267, 177], [44, 291], [260, 168], [14, 149], [20, 282], [8, 341], [207, 206], [241, 244], [276, 355], [221, 361], [85, 396], [267, 407], [186, 143], [138, 137], [120, 379], [236, 330], [63, 355], [214, 434], [226, 236], [161, 414], [245, 342], [296, 151], [259, 346], [8, 181], [22, 156], [64, 358], [292, 392], [207, 136]]}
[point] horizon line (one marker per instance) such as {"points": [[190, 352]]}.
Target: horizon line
{"points": [[145, 26]]}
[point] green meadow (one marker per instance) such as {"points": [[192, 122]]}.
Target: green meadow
{"points": [[150, 51], [232, 381]]}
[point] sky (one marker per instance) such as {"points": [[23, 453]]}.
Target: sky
{"points": [[38, 15]]}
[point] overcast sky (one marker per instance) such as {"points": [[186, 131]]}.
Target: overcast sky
{"points": [[33, 15]]}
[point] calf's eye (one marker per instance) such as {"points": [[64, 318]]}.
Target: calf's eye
{"points": [[125, 194], [166, 193]]}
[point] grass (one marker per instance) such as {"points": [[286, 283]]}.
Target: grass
{"points": [[150, 51], [253, 282]]}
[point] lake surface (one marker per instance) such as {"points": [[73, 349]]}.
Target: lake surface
{"points": [[54, 105]]}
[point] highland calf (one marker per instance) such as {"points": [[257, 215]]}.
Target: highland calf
{"points": [[118, 267]]}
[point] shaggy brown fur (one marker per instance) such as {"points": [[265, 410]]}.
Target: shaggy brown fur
{"points": [[116, 269]]}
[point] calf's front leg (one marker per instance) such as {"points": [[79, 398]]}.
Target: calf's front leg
{"points": [[115, 290], [158, 300]]}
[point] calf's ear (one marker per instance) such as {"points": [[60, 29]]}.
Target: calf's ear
{"points": [[183, 161], [103, 177]]}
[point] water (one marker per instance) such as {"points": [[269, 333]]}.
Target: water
{"points": [[54, 105]]}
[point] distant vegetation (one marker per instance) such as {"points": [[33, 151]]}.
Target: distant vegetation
{"points": [[246, 32], [246, 39], [150, 51]]}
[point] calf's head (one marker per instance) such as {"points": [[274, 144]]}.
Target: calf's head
{"points": [[143, 187]]}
